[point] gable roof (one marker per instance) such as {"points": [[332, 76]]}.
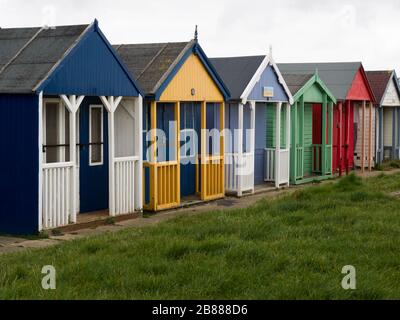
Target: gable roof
{"points": [[155, 64], [237, 72], [296, 81], [338, 76], [300, 83], [30, 56], [241, 74], [379, 81]]}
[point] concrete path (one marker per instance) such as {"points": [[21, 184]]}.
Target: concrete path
{"points": [[13, 244]]}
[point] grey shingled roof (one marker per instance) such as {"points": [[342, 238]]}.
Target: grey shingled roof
{"points": [[150, 63], [237, 72], [296, 81], [338, 76], [27, 55]]}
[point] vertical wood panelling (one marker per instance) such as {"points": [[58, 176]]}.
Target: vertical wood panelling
{"points": [[192, 75]]}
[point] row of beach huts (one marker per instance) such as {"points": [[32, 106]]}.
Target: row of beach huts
{"points": [[78, 118]]}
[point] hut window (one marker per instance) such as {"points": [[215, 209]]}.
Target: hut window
{"points": [[96, 135], [55, 132]]}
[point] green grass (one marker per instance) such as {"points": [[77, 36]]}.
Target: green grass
{"points": [[289, 248], [388, 165]]}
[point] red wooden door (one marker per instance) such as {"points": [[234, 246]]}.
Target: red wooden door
{"points": [[336, 143], [317, 137], [348, 136]]}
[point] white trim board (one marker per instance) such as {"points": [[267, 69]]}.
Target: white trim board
{"points": [[268, 60]]}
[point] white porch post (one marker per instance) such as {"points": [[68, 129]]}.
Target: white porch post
{"points": [[139, 153], [253, 135], [73, 103], [278, 144], [111, 103], [240, 149], [41, 158], [288, 138]]}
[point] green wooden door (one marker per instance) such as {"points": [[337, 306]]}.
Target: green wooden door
{"points": [[271, 126]]}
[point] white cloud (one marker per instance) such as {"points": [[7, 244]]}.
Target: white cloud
{"points": [[306, 30]]}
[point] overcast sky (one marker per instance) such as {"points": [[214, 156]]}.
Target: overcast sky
{"points": [[298, 30]]}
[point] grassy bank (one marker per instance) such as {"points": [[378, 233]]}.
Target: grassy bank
{"points": [[293, 247]]}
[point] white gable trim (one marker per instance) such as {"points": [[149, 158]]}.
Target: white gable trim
{"points": [[389, 85], [268, 60]]}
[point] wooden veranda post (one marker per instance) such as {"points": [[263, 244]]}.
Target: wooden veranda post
{"points": [[330, 134], [253, 132], [178, 150], [295, 133], [240, 147], [139, 152], [288, 127], [203, 150], [370, 138], [348, 107], [111, 104], [278, 143], [222, 146], [73, 103], [302, 108], [340, 138], [153, 160], [324, 125], [363, 138]]}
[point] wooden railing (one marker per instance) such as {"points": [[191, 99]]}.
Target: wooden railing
{"points": [[269, 164], [239, 176], [329, 150], [56, 193], [284, 157], [164, 190], [299, 162], [214, 187], [317, 158], [125, 169]]}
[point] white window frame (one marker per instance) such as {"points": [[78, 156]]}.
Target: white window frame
{"points": [[95, 164], [61, 137]]}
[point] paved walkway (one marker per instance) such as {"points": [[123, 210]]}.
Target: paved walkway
{"points": [[13, 244]]}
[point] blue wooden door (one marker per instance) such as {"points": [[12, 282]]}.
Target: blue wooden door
{"points": [[93, 152], [190, 134], [165, 143]]}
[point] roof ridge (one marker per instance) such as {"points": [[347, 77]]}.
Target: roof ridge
{"points": [[152, 43], [152, 61], [236, 57], [20, 51]]}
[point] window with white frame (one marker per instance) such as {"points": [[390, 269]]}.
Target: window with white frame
{"points": [[96, 130], [56, 148]]}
